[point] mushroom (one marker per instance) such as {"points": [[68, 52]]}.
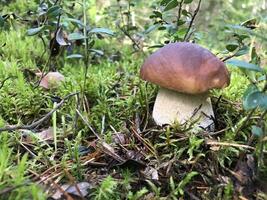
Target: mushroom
{"points": [[185, 73]]}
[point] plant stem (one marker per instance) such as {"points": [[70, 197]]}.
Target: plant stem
{"points": [[86, 50], [179, 14], [246, 121], [54, 117], [187, 35]]}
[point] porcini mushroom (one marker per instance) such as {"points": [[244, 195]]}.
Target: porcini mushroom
{"points": [[185, 73]]}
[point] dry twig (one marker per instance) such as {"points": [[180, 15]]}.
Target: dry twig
{"points": [[40, 121]]}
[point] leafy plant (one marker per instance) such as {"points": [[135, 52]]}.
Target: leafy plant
{"points": [[172, 17], [255, 96]]}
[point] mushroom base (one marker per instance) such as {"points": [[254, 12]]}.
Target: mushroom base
{"points": [[171, 106]]}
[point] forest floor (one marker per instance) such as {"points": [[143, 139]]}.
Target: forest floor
{"points": [[97, 139]]}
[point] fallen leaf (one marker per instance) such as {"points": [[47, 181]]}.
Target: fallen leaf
{"points": [[245, 176], [44, 135], [151, 173], [119, 138], [71, 189], [51, 80], [109, 150]]}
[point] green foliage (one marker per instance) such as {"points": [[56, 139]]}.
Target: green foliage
{"points": [[170, 16], [178, 190], [106, 71], [106, 190], [194, 144], [14, 176], [137, 195]]}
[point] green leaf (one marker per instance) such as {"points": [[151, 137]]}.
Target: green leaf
{"points": [[34, 31], [156, 46], [242, 51], [161, 28], [181, 22], [245, 65], [165, 2], [74, 56], [75, 21], [172, 4], [172, 184], [2, 21], [53, 11], [186, 180], [251, 23], [102, 31], [91, 44], [241, 37], [181, 32], [188, 1], [254, 100], [257, 131], [251, 89], [99, 52], [76, 36], [231, 47], [157, 14], [247, 30], [150, 29], [186, 13], [261, 78]]}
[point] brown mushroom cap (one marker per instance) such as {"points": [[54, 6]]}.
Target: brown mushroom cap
{"points": [[185, 67]]}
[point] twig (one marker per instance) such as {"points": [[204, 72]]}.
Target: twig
{"points": [[191, 195], [75, 123], [73, 182], [10, 189], [228, 57], [38, 122], [215, 143], [218, 132], [135, 43], [192, 20], [87, 123], [147, 144], [179, 13]]}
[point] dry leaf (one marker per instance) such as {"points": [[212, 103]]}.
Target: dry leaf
{"points": [[106, 148], [151, 173], [71, 189], [245, 175], [119, 138], [44, 135]]}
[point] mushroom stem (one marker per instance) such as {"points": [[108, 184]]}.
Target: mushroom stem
{"points": [[171, 106]]}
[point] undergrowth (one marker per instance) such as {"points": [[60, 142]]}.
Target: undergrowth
{"points": [[132, 158]]}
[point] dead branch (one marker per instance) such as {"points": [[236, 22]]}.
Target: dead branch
{"points": [[228, 144], [40, 121]]}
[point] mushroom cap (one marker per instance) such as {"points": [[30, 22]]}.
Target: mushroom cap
{"points": [[185, 67]]}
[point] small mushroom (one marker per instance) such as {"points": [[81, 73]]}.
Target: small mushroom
{"points": [[185, 73]]}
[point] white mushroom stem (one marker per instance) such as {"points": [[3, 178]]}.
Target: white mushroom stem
{"points": [[171, 106]]}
